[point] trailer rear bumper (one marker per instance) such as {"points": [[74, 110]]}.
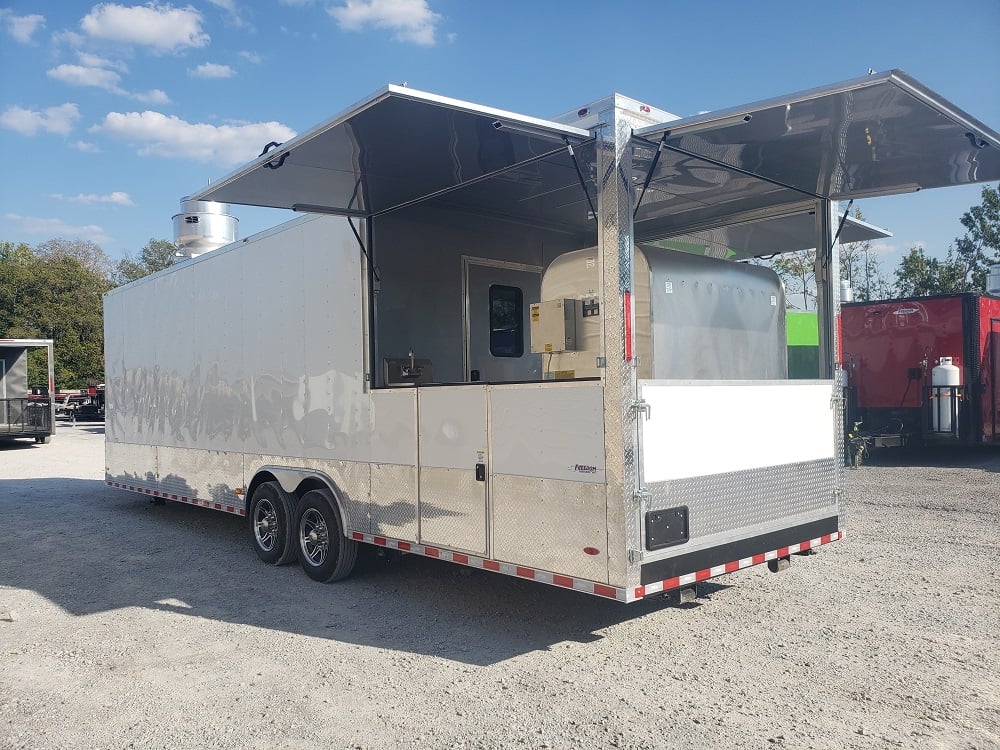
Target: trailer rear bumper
{"points": [[700, 565]]}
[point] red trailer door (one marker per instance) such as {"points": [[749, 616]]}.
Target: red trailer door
{"points": [[991, 379]]}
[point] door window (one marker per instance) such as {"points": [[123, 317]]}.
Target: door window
{"points": [[506, 321]]}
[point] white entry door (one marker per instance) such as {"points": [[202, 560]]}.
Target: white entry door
{"points": [[498, 296]]}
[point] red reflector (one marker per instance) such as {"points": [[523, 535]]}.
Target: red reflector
{"points": [[582, 112], [591, 551], [628, 326]]}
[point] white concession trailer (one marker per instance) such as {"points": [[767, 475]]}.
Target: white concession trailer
{"points": [[536, 347]]}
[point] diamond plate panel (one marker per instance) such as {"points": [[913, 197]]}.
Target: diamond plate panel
{"points": [[453, 509], [394, 501], [839, 457], [130, 464], [740, 500], [204, 474], [548, 523], [616, 241]]}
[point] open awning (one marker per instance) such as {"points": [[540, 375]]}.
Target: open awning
{"points": [[743, 167], [878, 135], [400, 146], [767, 237]]}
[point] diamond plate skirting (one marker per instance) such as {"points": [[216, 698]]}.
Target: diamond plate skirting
{"points": [[394, 501], [453, 509], [740, 501], [551, 524]]}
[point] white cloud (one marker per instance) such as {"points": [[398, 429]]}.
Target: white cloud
{"points": [[96, 61], [58, 120], [116, 198], [212, 70], [227, 5], [412, 20], [161, 27], [102, 78], [69, 38], [157, 134], [81, 75], [21, 27], [52, 227], [86, 147], [251, 57], [153, 96]]}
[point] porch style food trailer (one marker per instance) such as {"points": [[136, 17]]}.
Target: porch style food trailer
{"points": [[26, 410], [535, 347]]}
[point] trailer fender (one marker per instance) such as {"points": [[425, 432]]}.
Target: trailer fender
{"points": [[297, 482]]}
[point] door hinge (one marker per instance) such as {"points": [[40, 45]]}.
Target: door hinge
{"points": [[641, 406], [640, 497], [634, 556]]}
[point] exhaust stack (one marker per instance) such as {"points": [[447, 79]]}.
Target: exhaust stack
{"points": [[202, 226]]}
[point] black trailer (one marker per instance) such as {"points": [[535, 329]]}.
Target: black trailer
{"points": [[26, 410]]}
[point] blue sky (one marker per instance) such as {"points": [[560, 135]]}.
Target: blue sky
{"points": [[111, 112]]}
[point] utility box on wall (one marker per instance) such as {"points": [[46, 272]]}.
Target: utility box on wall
{"points": [[553, 326]]}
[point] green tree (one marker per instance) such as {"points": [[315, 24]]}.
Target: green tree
{"points": [[54, 291], [155, 256], [967, 262], [919, 275], [798, 273], [979, 247]]}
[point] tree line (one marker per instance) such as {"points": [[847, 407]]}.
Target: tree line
{"points": [[963, 269], [54, 290]]}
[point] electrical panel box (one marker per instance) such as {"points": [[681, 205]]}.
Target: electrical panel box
{"points": [[553, 326]]}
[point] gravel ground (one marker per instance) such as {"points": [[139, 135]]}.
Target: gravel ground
{"points": [[124, 624]]}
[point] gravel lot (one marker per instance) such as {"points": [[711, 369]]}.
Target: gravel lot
{"points": [[123, 624]]}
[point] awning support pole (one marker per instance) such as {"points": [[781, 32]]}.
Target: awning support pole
{"points": [[843, 220], [649, 174], [738, 170], [583, 182]]}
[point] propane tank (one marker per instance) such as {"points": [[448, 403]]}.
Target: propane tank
{"points": [[944, 398]]}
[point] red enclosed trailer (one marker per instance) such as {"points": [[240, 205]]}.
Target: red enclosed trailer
{"points": [[924, 369]]}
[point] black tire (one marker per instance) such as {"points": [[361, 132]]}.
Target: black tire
{"points": [[325, 554], [271, 519]]}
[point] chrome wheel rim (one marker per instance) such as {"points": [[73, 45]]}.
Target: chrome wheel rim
{"points": [[314, 537], [265, 525]]}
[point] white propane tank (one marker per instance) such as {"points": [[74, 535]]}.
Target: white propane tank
{"points": [[943, 398]]}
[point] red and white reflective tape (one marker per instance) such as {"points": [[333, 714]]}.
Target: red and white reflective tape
{"points": [[583, 585], [518, 571], [731, 567], [224, 507]]}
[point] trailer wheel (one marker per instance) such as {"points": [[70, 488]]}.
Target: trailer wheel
{"points": [[272, 519], [325, 554]]}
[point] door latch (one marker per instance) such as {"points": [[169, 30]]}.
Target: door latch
{"points": [[480, 472]]}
